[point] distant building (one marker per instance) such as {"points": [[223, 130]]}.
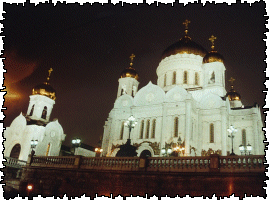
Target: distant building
{"points": [[189, 108], [35, 126], [85, 150]]}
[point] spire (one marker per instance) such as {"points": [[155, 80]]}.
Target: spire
{"points": [[232, 82], [48, 78], [232, 94], [186, 23], [212, 40], [132, 59]]}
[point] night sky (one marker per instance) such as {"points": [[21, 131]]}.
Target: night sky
{"points": [[89, 46]]}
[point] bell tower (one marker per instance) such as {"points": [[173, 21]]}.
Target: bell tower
{"points": [[41, 101], [214, 71], [128, 81]]}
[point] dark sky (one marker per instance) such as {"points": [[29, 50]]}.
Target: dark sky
{"points": [[88, 46]]}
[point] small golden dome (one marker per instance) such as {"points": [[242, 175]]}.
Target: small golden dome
{"points": [[233, 95], [44, 89], [184, 46], [129, 72], [213, 56]]}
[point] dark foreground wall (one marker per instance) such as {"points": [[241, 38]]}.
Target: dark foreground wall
{"points": [[76, 182]]}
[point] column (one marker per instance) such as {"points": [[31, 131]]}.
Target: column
{"points": [[255, 133], [188, 127], [224, 134]]}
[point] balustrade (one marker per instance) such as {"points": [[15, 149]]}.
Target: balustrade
{"points": [[241, 163], [162, 164], [179, 164], [14, 162]]}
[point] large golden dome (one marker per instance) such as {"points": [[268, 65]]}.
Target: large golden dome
{"points": [[233, 95], [129, 72], [44, 89], [184, 46]]}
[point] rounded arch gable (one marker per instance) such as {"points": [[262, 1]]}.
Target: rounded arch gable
{"points": [[211, 101], [176, 94], [124, 101], [149, 95]]}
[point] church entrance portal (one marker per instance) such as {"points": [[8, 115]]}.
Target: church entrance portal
{"points": [[145, 153], [15, 152]]}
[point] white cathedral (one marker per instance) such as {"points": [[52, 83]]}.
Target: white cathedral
{"points": [[189, 108], [35, 127]]}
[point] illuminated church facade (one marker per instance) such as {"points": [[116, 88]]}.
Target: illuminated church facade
{"points": [[188, 111], [35, 126]]}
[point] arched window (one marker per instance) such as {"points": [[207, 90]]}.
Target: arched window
{"points": [[141, 129], [15, 152], [147, 129], [176, 127], [164, 81], [211, 133], [244, 137], [153, 128], [212, 78], [48, 149], [121, 130], [32, 110], [44, 113], [196, 81], [185, 77], [174, 80]]}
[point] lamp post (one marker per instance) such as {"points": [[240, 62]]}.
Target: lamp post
{"points": [[178, 149], [33, 146], [128, 150], [245, 149], [232, 130], [76, 143], [98, 151], [166, 151], [130, 123]]}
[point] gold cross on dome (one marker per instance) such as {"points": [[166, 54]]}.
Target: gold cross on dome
{"points": [[132, 59], [186, 23], [232, 80], [50, 70], [212, 39]]}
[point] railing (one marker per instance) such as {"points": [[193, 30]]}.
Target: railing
{"points": [[241, 163], [179, 164], [158, 164], [14, 162], [109, 163], [54, 161]]}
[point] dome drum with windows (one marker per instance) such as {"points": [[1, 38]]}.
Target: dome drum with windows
{"points": [[45, 89]]}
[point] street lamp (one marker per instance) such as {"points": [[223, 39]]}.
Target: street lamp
{"points": [[232, 130], [98, 151], [178, 149], [76, 143], [245, 149], [33, 146], [128, 150], [130, 123], [166, 152]]}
